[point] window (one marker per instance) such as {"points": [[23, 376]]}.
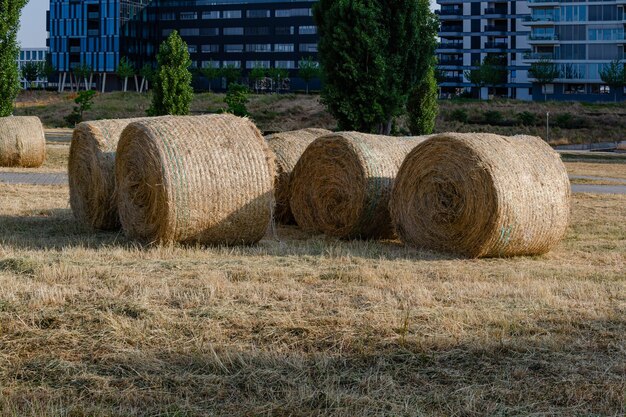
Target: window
{"points": [[211, 15], [285, 30], [283, 47], [190, 32], [188, 15], [308, 47], [284, 64], [231, 14], [259, 47], [257, 13], [168, 16], [210, 48], [293, 12], [233, 31], [233, 64], [233, 48], [574, 89], [256, 31], [192, 49], [210, 64], [307, 30], [257, 64], [194, 64], [166, 32], [547, 89], [209, 32]]}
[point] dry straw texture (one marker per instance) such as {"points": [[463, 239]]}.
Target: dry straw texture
{"points": [[288, 147], [22, 142], [342, 183], [205, 179], [91, 171], [482, 195]]}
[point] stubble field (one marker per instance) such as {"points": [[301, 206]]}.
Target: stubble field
{"points": [[300, 325]]}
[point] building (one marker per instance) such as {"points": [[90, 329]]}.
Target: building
{"points": [[240, 33], [580, 38], [36, 55], [473, 30]]}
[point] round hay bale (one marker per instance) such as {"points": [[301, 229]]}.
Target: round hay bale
{"points": [[342, 183], [288, 147], [204, 179], [482, 195], [91, 172], [22, 142]]}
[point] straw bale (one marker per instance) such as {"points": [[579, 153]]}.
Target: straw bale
{"points": [[342, 183], [482, 195], [288, 147], [22, 142], [91, 172], [204, 179]]}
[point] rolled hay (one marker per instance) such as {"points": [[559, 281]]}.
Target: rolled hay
{"points": [[482, 195], [91, 172], [22, 142], [342, 183], [288, 148], [203, 179]]}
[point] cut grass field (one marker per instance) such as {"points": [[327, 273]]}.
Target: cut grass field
{"points": [[299, 325]]}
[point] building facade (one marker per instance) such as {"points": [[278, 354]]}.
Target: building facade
{"points": [[219, 33], [580, 38], [34, 55], [472, 31]]}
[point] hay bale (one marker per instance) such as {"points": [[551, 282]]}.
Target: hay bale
{"points": [[288, 147], [342, 183], [482, 195], [205, 179], [22, 142], [91, 172]]}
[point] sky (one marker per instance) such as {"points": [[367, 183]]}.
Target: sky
{"points": [[32, 32]]}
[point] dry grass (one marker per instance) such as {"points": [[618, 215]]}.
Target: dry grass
{"points": [[93, 325], [606, 170]]}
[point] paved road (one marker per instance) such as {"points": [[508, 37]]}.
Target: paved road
{"points": [[589, 177], [599, 189]]}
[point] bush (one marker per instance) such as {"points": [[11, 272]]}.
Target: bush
{"points": [[493, 117], [569, 121], [236, 99], [527, 118], [459, 115], [84, 101]]}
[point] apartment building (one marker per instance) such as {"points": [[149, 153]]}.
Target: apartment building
{"points": [[474, 30], [580, 38], [219, 33], [35, 55]]}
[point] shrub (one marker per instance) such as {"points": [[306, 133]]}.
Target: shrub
{"points": [[236, 99], [527, 118], [84, 101], [459, 115], [569, 121], [493, 117]]}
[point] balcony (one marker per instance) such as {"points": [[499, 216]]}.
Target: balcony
{"points": [[448, 29], [544, 2], [457, 79], [450, 45], [539, 55], [495, 28], [449, 12], [540, 19], [543, 37], [496, 45], [451, 62], [93, 15], [496, 10], [93, 32], [74, 49]]}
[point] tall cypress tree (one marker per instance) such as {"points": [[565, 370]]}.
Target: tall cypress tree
{"points": [[172, 92], [373, 53], [10, 11]]}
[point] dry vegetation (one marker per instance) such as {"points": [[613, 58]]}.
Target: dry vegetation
{"points": [[299, 325]]}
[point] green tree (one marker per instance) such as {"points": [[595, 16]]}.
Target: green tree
{"points": [[236, 99], [10, 11], [84, 102], [256, 74], [124, 70], [211, 73], [46, 69], [614, 75], [147, 75], [277, 75], [372, 54], [30, 73], [494, 70], [231, 73], [544, 72], [422, 106], [475, 78], [172, 91], [81, 72], [308, 70]]}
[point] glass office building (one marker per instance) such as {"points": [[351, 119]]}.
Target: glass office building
{"points": [[580, 38], [472, 30], [240, 33]]}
